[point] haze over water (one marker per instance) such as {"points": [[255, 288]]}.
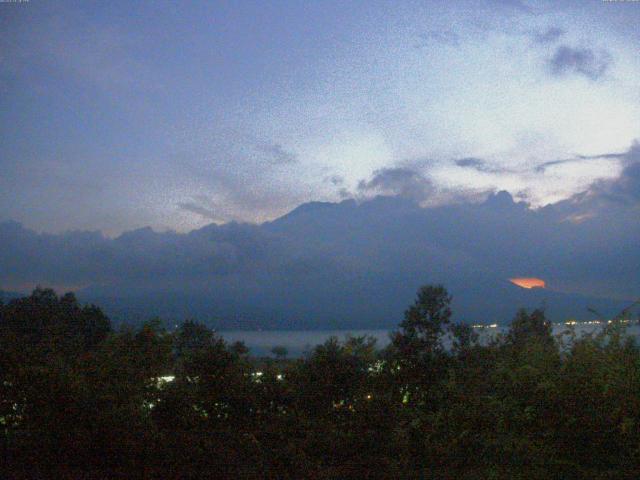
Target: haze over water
{"points": [[298, 342]]}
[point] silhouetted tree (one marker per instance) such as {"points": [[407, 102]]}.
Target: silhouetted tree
{"points": [[424, 322], [463, 338], [418, 358], [239, 348], [191, 336], [526, 327], [280, 352], [78, 400]]}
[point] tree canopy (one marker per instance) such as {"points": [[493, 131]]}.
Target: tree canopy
{"points": [[79, 399]]}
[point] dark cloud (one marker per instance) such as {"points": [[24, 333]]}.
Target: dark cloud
{"points": [[628, 185], [622, 155], [580, 158], [276, 153], [398, 181], [199, 210], [207, 208], [633, 155], [344, 193], [581, 61], [471, 162], [479, 165], [615, 199], [335, 180], [338, 182], [550, 35], [626, 188], [543, 167], [91, 258]]}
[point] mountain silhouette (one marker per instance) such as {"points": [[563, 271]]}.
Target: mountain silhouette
{"points": [[346, 265]]}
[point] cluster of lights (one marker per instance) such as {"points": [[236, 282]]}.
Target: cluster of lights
{"points": [[595, 322], [568, 322]]}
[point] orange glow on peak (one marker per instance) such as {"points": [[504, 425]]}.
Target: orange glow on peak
{"points": [[531, 282]]}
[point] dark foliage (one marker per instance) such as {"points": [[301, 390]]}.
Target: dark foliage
{"points": [[81, 401]]}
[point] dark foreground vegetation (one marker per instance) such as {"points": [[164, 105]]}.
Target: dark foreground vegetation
{"points": [[81, 401]]}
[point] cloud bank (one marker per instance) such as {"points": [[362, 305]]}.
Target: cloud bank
{"points": [[397, 181], [354, 263]]}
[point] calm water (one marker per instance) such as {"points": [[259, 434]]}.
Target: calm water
{"points": [[297, 342]]}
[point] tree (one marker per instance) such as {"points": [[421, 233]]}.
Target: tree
{"points": [[192, 336], [463, 338], [424, 321], [280, 352], [527, 327], [416, 359], [239, 348], [43, 324]]}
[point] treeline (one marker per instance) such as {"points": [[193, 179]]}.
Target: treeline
{"points": [[81, 401]]}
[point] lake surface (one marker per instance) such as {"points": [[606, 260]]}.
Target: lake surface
{"points": [[298, 342]]}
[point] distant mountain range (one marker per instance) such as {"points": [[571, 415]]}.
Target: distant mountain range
{"points": [[345, 265]]}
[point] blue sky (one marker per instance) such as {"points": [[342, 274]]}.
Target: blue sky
{"points": [[118, 115]]}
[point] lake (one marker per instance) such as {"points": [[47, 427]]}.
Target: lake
{"points": [[297, 342]]}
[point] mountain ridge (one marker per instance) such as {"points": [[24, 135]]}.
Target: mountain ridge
{"points": [[340, 265]]}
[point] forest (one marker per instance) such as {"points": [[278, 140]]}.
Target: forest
{"points": [[80, 399]]}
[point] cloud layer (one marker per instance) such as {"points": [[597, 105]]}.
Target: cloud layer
{"points": [[177, 117], [349, 263]]}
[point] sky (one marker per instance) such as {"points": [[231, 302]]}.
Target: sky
{"points": [[120, 115]]}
